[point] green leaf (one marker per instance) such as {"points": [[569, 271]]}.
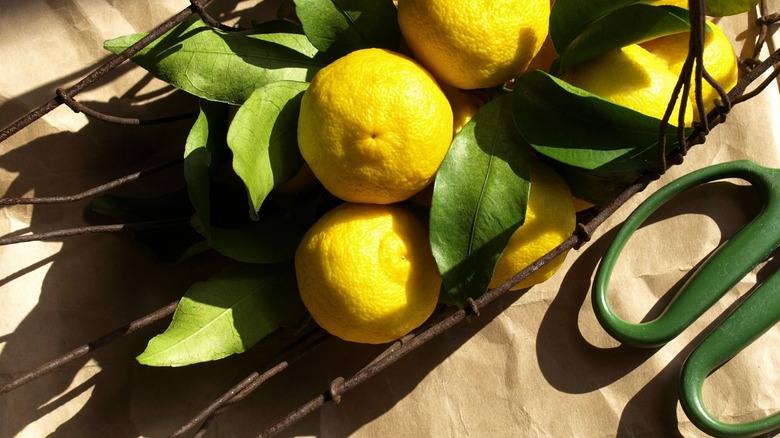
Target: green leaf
{"points": [[722, 8], [227, 228], [263, 138], [226, 315], [599, 147], [479, 199], [612, 32], [285, 33], [168, 244], [338, 27], [270, 239], [205, 144], [575, 127], [596, 187], [569, 18], [221, 66], [266, 241]]}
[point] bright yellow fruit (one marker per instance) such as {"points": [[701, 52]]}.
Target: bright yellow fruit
{"points": [[581, 204], [545, 57], [546, 54], [549, 220], [474, 44], [303, 181], [464, 106], [374, 126], [631, 77], [678, 3], [366, 272], [720, 61]]}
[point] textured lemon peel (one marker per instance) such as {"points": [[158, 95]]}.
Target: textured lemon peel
{"points": [[366, 273], [720, 61], [374, 127], [631, 77], [549, 220], [470, 44]]}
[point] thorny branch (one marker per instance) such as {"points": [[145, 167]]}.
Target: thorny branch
{"points": [[91, 229], [95, 75], [89, 192], [89, 347], [78, 107]]}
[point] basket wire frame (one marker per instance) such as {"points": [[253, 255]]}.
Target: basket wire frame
{"points": [[445, 318]]}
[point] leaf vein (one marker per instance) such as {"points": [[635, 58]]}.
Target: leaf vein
{"points": [[483, 189], [349, 19], [202, 328]]}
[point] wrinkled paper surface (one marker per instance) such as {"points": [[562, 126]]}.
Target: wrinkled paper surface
{"points": [[532, 364]]}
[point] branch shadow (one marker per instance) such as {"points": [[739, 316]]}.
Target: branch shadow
{"points": [[173, 396], [161, 400], [559, 344], [92, 284], [372, 399]]}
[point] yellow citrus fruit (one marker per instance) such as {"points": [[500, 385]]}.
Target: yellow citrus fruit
{"points": [[678, 3], [366, 272], [374, 126], [581, 204], [303, 181], [545, 57], [549, 220], [464, 106], [720, 61], [546, 54], [474, 44], [631, 77]]}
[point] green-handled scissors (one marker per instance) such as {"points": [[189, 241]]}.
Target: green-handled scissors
{"points": [[759, 312]]}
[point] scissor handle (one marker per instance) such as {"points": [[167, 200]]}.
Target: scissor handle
{"points": [[717, 275], [754, 316]]}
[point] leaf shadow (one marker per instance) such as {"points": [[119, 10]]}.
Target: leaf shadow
{"points": [[284, 153], [92, 284], [368, 25], [170, 43], [283, 57]]}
